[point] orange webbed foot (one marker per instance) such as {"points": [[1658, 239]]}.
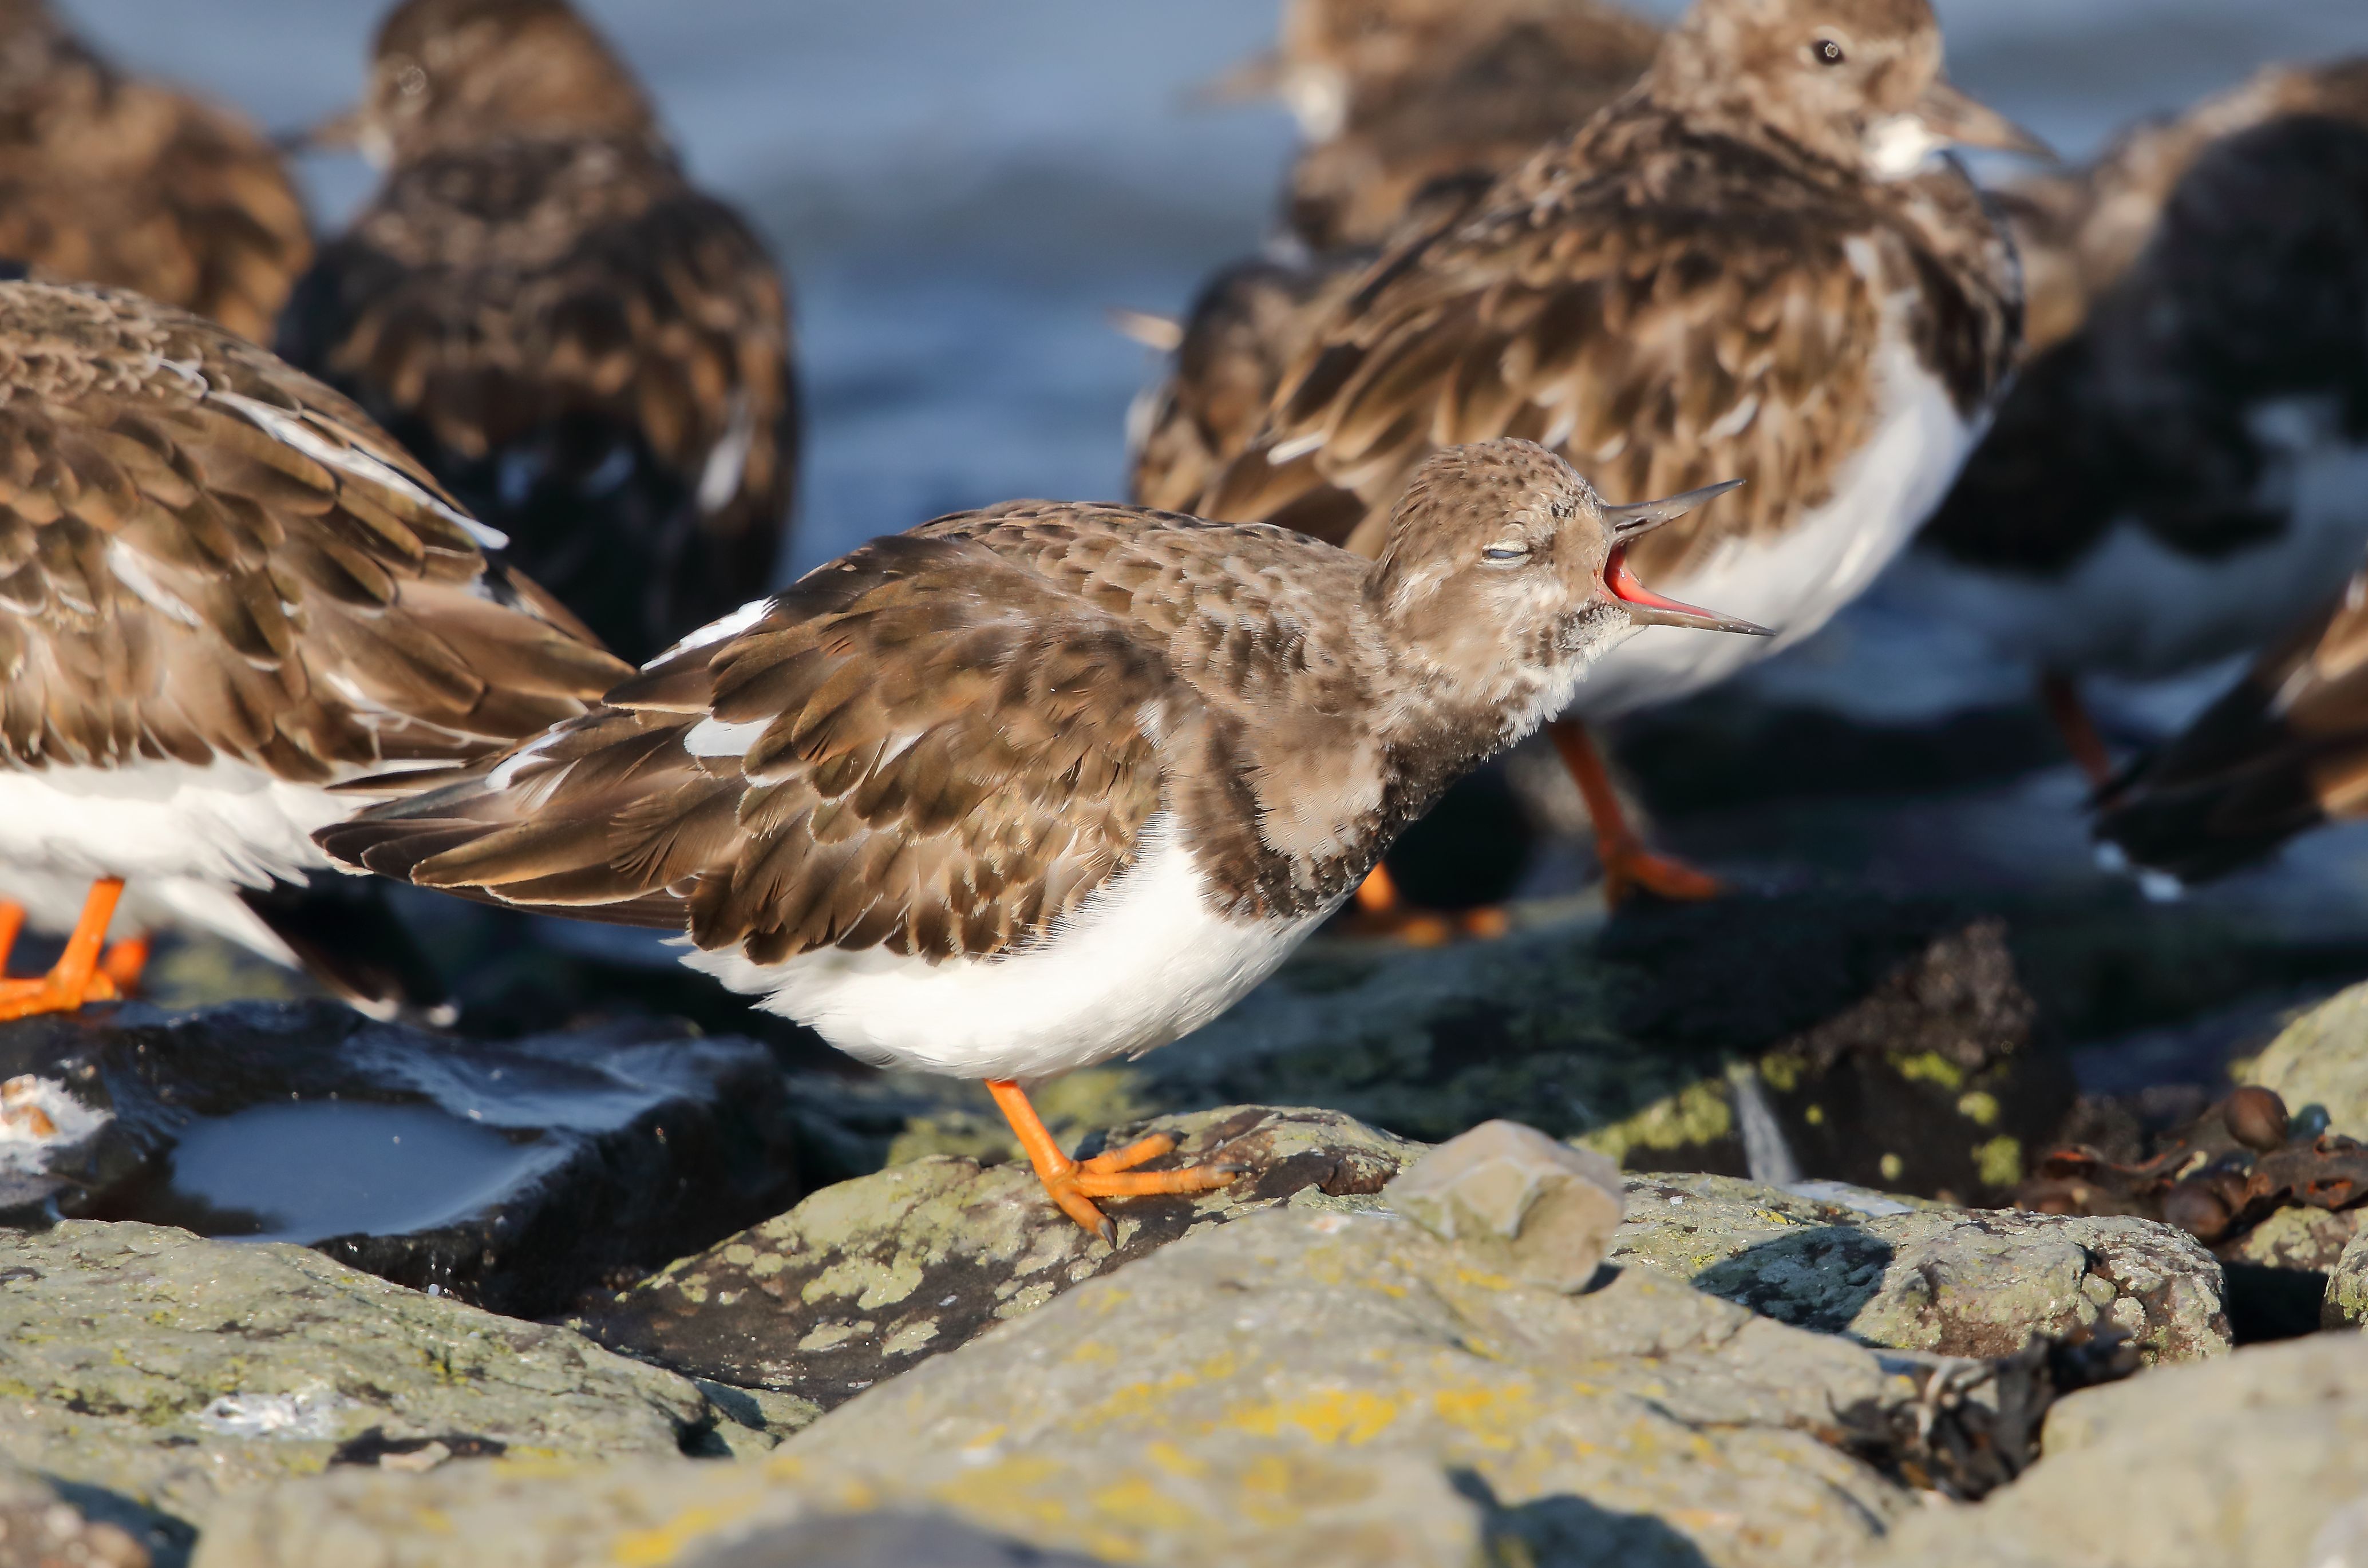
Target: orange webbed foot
{"points": [[1632, 869], [1072, 1185]]}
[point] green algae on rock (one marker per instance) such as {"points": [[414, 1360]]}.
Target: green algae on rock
{"points": [[170, 1370]]}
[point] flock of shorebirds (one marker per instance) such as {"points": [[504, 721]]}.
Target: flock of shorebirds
{"points": [[448, 584]]}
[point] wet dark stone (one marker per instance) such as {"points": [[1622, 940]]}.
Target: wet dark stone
{"points": [[511, 1175]]}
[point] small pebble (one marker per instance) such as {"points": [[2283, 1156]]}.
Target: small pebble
{"points": [[2257, 1119]]}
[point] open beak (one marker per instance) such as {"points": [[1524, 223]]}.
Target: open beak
{"points": [[1953, 120], [1645, 606], [1245, 81]]}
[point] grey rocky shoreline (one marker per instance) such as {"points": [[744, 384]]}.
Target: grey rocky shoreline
{"points": [[697, 1298]]}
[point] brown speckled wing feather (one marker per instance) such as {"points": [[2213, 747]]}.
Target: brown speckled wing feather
{"points": [[1700, 312], [924, 748], [206, 555]]}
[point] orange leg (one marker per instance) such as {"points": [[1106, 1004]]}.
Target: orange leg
{"points": [[126, 961], [1073, 1183], [76, 977], [1382, 910], [2060, 694], [12, 923], [1628, 866]]}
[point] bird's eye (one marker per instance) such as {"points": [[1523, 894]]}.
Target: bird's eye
{"points": [[1508, 552], [411, 80], [1828, 51]]}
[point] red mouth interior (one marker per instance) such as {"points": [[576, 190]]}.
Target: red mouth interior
{"points": [[1624, 587]]}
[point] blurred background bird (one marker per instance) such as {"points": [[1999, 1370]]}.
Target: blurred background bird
{"points": [[1746, 267], [111, 178], [2181, 472], [592, 354]]}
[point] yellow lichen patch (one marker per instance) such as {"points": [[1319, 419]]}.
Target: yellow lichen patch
{"points": [[1930, 1067], [1142, 1398], [1782, 1070], [1494, 1415], [910, 1338], [1278, 1489], [872, 1282], [665, 1543], [2000, 1162], [1174, 1460], [1892, 1166], [1331, 1416], [1092, 1353], [1134, 1500], [1978, 1107], [1020, 1490], [1698, 1113], [1815, 1116]]}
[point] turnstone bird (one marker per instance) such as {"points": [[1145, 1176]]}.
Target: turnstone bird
{"points": [[110, 179], [2284, 751], [1395, 95], [1411, 109], [1029, 788], [226, 592], [1749, 266], [2184, 471], [588, 351]]}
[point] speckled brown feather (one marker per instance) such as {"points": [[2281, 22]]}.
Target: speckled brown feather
{"points": [[530, 299], [1682, 293], [178, 582], [111, 179], [945, 741]]}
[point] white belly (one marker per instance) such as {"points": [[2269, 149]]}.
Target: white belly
{"points": [[183, 838], [2134, 608], [1795, 583], [1143, 962]]}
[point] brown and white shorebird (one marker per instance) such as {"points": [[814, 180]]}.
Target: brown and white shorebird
{"points": [[2284, 751], [223, 592], [111, 179], [592, 354], [1411, 110], [1027, 788], [1395, 95], [2182, 473], [1750, 266]]}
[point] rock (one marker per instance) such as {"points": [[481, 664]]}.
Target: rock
{"points": [[2321, 1059], [880, 1540], [1539, 1211], [865, 1278], [2346, 1301], [169, 1370], [513, 1174], [2240, 1462], [39, 1529], [1310, 1385], [1949, 1281]]}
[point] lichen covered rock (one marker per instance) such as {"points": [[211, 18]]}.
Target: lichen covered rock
{"points": [[867, 1277], [170, 1370], [1308, 1385]]}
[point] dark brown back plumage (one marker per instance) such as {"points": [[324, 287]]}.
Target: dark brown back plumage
{"points": [[205, 555], [591, 353], [110, 179]]}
